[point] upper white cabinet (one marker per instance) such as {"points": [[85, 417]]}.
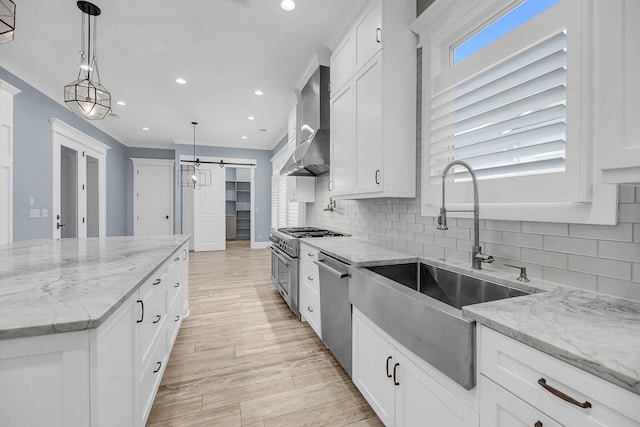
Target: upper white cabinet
{"points": [[373, 102], [617, 90], [292, 125]]}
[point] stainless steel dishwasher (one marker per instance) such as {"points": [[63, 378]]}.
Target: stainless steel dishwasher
{"points": [[335, 308]]}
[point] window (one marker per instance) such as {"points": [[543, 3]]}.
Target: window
{"points": [[283, 212], [505, 88], [501, 26]]}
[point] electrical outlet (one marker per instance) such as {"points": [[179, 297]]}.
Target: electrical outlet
{"points": [[34, 213]]}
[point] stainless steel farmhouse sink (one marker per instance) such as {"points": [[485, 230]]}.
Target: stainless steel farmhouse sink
{"points": [[420, 306]]}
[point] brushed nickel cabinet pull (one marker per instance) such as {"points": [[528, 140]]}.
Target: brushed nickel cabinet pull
{"points": [[185, 253], [395, 368], [562, 396], [388, 374], [378, 35]]}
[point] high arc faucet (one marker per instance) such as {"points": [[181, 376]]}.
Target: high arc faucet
{"points": [[477, 257]]}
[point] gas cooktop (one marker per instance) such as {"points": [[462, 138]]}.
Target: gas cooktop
{"points": [[304, 232]]}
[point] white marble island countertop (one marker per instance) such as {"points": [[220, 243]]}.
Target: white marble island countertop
{"points": [[51, 286]]}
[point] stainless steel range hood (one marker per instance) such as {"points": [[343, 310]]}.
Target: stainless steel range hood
{"points": [[311, 157]]}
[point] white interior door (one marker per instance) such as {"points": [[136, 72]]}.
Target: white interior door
{"points": [[152, 197], [79, 183], [209, 232], [6, 161]]}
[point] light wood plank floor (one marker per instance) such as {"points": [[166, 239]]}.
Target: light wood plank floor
{"points": [[243, 359]]}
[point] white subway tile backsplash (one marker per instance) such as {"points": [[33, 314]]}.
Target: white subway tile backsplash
{"points": [[622, 232], [600, 267], [548, 228], [491, 236], [551, 259], [457, 255], [392, 217], [426, 239], [399, 244], [415, 227], [509, 252], [458, 233], [445, 242], [514, 226], [572, 278], [465, 222], [400, 226], [636, 233], [635, 273], [626, 193], [619, 250], [400, 208], [629, 212], [433, 251], [416, 247], [523, 240], [570, 245], [408, 236], [620, 288]]}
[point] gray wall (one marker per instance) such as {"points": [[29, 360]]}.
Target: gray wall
{"points": [[140, 153], [262, 183], [32, 162]]}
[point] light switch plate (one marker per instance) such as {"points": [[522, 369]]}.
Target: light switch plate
{"points": [[45, 213], [32, 201], [34, 213]]}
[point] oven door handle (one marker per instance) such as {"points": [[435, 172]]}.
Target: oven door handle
{"points": [[279, 256]]}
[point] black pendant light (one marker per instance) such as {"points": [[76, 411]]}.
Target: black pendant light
{"points": [[7, 20], [86, 96], [190, 174]]}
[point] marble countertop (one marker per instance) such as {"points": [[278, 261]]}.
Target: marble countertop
{"points": [[592, 331], [51, 286], [359, 252]]}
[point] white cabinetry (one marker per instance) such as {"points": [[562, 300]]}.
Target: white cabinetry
{"points": [[309, 288], [617, 90], [107, 376], [514, 377], [301, 189], [373, 101], [398, 385], [7, 93]]}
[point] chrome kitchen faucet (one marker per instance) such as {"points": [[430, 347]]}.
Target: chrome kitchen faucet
{"points": [[477, 257]]}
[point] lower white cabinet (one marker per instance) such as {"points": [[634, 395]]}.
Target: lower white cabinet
{"points": [[107, 376], [546, 391], [398, 386], [308, 280]]}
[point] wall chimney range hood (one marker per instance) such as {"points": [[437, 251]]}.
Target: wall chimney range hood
{"points": [[311, 156]]}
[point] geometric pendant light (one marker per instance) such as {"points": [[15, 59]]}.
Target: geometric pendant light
{"points": [[7, 20], [190, 174], [86, 96]]}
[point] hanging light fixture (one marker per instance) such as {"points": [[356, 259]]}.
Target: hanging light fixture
{"points": [[7, 20], [86, 96], [191, 175]]}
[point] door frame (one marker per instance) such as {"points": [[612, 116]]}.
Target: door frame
{"points": [[63, 134], [11, 91], [184, 157], [137, 161]]}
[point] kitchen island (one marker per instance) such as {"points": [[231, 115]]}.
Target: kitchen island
{"points": [[87, 326]]}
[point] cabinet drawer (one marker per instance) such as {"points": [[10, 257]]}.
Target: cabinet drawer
{"points": [[174, 320], [307, 256], [310, 307], [174, 290], [151, 376], [520, 369], [500, 408], [151, 323], [311, 277]]}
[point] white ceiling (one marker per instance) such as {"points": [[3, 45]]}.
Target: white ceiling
{"points": [[225, 49]]}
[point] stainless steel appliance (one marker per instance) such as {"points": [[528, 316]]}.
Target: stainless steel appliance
{"points": [[336, 308], [285, 250]]}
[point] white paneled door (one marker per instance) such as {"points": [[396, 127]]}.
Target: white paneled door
{"points": [[6, 161], [209, 232], [152, 197]]}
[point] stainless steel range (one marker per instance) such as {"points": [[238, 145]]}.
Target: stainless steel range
{"points": [[285, 250]]}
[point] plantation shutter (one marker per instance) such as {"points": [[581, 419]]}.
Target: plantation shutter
{"points": [[507, 120]]}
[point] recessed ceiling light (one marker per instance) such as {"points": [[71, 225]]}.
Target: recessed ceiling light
{"points": [[251, 118], [288, 5], [181, 81], [244, 137], [259, 92], [145, 128], [121, 103]]}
